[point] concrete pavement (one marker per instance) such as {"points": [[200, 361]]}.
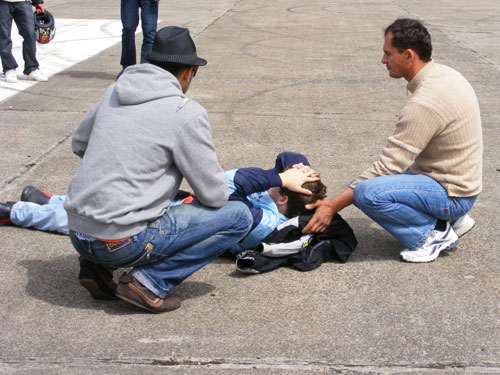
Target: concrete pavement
{"points": [[301, 75]]}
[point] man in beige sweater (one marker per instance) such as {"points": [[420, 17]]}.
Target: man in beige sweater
{"points": [[429, 174]]}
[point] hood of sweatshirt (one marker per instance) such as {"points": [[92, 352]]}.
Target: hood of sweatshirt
{"points": [[146, 82]]}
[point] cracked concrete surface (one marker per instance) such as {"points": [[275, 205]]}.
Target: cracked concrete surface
{"points": [[282, 75]]}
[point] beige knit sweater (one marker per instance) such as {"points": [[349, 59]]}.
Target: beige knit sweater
{"points": [[438, 133]]}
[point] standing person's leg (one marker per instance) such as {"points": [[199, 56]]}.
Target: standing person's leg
{"points": [[129, 12], [6, 17], [149, 19], [25, 20], [409, 207]]}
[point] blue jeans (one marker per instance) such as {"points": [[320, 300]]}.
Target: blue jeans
{"points": [[22, 14], [408, 206], [174, 246], [48, 217], [129, 11]]}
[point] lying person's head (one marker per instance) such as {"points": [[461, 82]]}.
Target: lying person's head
{"points": [[292, 204]]}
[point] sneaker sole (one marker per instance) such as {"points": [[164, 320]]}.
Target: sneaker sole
{"points": [[95, 290], [37, 80], [429, 258], [134, 302]]}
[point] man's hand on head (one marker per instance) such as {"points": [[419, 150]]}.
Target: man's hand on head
{"points": [[321, 218], [325, 209], [305, 169], [294, 178]]}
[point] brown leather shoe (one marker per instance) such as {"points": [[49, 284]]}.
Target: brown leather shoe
{"points": [[97, 280], [132, 291]]}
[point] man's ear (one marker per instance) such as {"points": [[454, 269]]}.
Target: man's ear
{"points": [[282, 204], [409, 55], [283, 199], [185, 75], [184, 78]]}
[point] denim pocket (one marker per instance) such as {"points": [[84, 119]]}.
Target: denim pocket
{"points": [[116, 245], [116, 253], [124, 253], [151, 233], [156, 228]]}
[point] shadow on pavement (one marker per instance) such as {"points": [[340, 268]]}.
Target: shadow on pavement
{"points": [[87, 74], [55, 281]]}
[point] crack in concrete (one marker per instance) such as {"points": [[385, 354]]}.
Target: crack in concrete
{"points": [[307, 115], [38, 160], [261, 363], [218, 18]]}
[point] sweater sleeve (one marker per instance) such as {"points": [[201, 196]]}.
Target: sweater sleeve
{"points": [[245, 181], [253, 180], [416, 126], [195, 157]]}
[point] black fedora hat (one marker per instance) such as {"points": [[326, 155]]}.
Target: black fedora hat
{"points": [[173, 45]]}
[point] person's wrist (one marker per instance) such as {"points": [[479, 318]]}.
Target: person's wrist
{"points": [[331, 204], [283, 179]]}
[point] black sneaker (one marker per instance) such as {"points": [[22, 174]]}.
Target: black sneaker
{"points": [[97, 280], [32, 194], [5, 209]]}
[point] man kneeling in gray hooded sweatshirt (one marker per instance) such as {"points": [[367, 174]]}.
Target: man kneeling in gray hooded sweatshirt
{"points": [[137, 144]]}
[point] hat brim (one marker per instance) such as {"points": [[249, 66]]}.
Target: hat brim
{"points": [[155, 57]]}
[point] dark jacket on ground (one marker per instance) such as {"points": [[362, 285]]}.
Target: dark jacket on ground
{"points": [[337, 242]]}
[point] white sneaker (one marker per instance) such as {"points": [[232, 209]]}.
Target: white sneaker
{"points": [[462, 225], [11, 76], [438, 241], [37, 75]]}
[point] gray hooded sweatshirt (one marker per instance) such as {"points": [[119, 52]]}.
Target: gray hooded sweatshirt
{"points": [[137, 143]]}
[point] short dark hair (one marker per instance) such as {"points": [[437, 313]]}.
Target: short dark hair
{"points": [[410, 33], [297, 201], [175, 69]]}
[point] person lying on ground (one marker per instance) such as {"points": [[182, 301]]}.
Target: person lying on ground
{"points": [[262, 191], [259, 189]]}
